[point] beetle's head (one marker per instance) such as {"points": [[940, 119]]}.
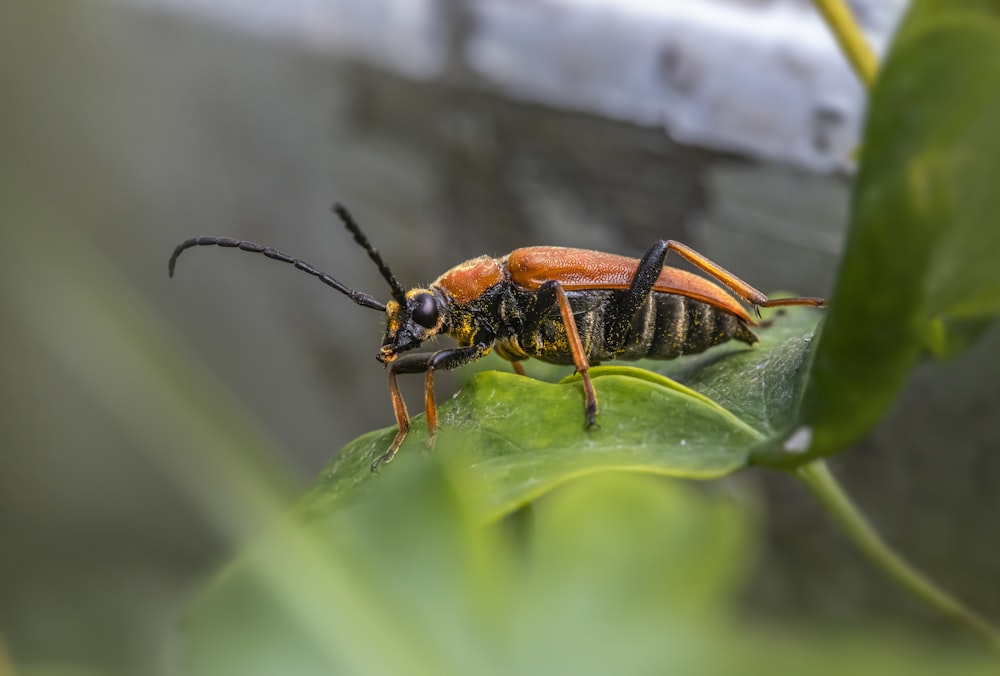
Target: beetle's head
{"points": [[420, 317]]}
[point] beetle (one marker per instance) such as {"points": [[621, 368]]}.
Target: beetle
{"points": [[555, 304]]}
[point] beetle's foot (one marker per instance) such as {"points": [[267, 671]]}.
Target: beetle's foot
{"points": [[391, 453], [384, 458]]}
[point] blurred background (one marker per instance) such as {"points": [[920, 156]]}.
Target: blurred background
{"points": [[451, 128]]}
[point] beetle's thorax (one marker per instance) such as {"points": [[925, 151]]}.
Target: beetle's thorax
{"points": [[468, 281]]}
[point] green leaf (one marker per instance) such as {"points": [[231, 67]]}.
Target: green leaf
{"points": [[921, 266], [931, 11], [523, 436]]}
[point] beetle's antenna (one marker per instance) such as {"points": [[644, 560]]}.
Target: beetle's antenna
{"points": [[398, 292], [362, 299]]}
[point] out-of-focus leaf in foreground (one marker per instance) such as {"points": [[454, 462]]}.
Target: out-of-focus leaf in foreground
{"points": [[615, 573]]}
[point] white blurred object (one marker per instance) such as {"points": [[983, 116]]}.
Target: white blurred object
{"points": [[764, 78]]}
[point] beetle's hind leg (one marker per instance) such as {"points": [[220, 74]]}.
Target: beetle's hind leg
{"points": [[735, 284], [785, 302], [639, 290]]}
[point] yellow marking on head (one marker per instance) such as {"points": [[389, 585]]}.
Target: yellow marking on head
{"points": [[415, 292], [392, 316]]}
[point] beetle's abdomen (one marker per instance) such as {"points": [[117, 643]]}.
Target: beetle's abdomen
{"points": [[666, 326], [669, 325]]}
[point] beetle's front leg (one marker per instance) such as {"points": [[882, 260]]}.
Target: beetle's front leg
{"points": [[402, 421], [425, 363]]}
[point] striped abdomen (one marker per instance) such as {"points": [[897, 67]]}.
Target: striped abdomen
{"points": [[668, 325]]}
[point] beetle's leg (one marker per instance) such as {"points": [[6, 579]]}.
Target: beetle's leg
{"points": [[410, 363], [735, 284], [575, 346], [638, 293], [447, 360], [518, 369], [425, 363], [430, 406], [784, 302], [402, 422]]}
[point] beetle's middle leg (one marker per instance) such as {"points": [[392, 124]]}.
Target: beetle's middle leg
{"points": [[426, 363], [554, 288]]}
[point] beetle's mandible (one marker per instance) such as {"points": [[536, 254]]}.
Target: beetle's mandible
{"points": [[554, 304]]}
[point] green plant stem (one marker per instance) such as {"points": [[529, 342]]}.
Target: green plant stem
{"points": [[816, 475], [852, 41]]}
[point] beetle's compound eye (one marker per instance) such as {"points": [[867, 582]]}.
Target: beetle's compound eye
{"points": [[425, 310]]}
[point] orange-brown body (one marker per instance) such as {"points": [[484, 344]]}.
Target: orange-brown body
{"points": [[497, 301]]}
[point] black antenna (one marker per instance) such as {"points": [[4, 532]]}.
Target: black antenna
{"points": [[362, 299], [398, 292]]}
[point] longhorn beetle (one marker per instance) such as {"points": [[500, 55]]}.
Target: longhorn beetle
{"points": [[555, 304]]}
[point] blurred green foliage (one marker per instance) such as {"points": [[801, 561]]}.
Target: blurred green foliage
{"points": [[615, 573]]}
